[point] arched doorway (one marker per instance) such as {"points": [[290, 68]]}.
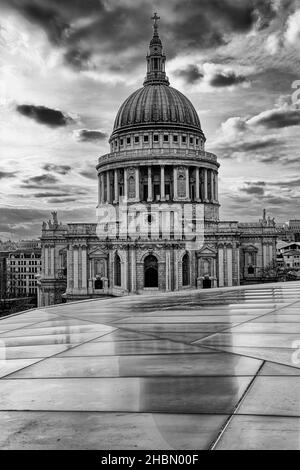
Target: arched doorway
{"points": [[117, 271], [185, 270], [150, 271], [206, 283], [98, 284]]}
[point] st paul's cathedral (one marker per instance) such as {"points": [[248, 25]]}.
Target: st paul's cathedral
{"points": [[157, 226]]}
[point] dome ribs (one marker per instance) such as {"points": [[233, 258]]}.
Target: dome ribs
{"points": [[157, 103]]}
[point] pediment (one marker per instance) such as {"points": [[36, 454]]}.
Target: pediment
{"points": [[98, 253], [207, 251], [250, 248]]}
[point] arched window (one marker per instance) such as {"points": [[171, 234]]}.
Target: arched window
{"points": [[150, 271], [186, 270], [117, 270]]}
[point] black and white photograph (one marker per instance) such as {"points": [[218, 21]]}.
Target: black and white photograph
{"points": [[149, 228]]}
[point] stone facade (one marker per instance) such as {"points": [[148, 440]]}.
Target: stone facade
{"points": [[158, 226]]}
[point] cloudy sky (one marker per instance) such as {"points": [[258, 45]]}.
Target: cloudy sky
{"points": [[67, 65]]}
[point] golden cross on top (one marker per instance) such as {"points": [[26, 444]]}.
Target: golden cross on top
{"points": [[155, 19]]}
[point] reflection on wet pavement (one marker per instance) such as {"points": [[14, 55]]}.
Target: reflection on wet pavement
{"points": [[169, 372]]}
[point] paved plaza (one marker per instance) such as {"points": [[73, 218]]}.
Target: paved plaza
{"points": [[215, 369]]}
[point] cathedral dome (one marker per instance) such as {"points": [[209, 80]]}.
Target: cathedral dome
{"points": [[157, 104]]}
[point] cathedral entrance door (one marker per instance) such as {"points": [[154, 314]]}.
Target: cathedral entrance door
{"points": [[151, 271], [206, 283], [98, 284]]}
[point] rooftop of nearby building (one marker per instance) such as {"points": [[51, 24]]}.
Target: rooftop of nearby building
{"points": [[212, 369]]}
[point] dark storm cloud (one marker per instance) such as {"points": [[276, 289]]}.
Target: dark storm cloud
{"points": [[89, 173], [257, 145], [192, 24], [256, 183], [277, 200], [36, 181], [60, 169], [43, 115], [78, 59], [224, 79], [7, 174], [47, 195], [87, 135], [277, 118], [293, 183], [26, 222], [191, 74], [57, 200], [255, 190], [11, 215]]}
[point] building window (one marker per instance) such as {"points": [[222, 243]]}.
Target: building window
{"points": [[183, 139], [128, 140], [136, 139], [166, 138], [197, 141], [191, 140], [185, 270], [155, 138], [175, 139], [146, 139], [121, 141], [117, 270], [250, 270]]}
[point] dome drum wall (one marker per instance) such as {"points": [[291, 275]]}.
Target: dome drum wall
{"points": [[169, 137]]}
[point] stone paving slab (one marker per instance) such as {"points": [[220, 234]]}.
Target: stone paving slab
{"points": [[188, 370]]}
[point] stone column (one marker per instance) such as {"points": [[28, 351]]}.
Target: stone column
{"points": [[52, 261], [197, 184], [99, 190], [212, 185], [137, 184], [75, 263], [221, 265], [133, 270], [229, 266], [102, 187], [265, 261], [238, 264], [175, 194], [108, 187], [124, 270], [162, 183], [187, 183], [125, 184], [205, 184], [168, 271], [216, 187], [149, 183], [83, 267], [46, 261], [116, 187], [176, 267], [70, 268]]}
